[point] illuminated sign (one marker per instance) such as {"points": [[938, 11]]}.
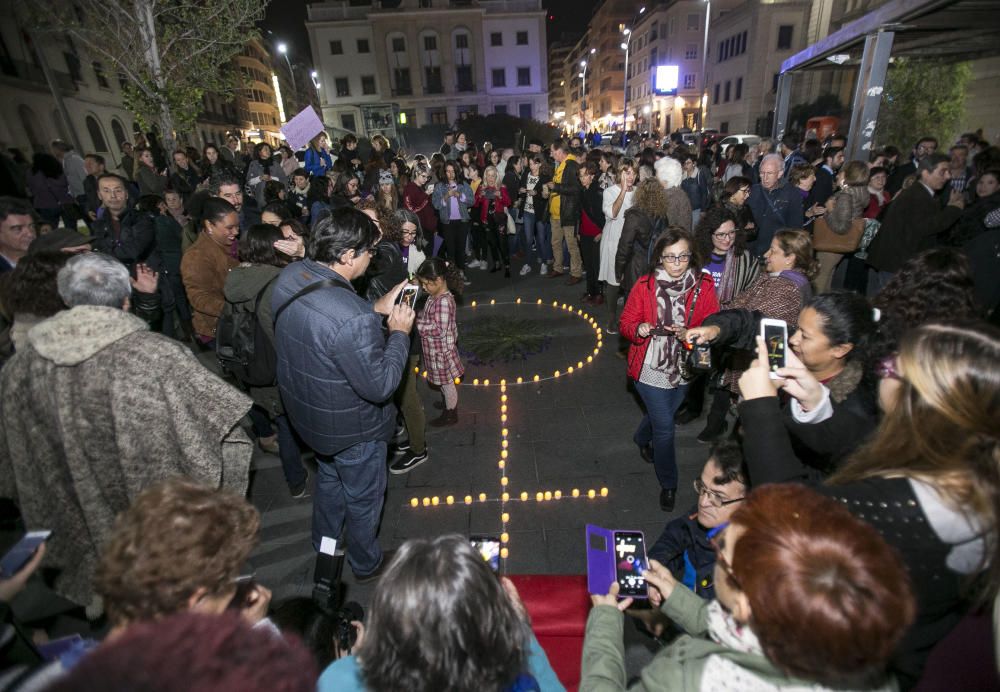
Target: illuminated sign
{"points": [[665, 79]]}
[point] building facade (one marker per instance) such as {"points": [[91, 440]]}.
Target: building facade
{"points": [[746, 48], [91, 91], [559, 103], [419, 62]]}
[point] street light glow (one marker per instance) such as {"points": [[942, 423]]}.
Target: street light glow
{"points": [[641, 10], [626, 31], [624, 47], [583, 63], [593, 50], [282, 48]]}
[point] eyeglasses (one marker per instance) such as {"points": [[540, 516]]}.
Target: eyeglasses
{"points": [[412, 233], [745, 190], [676, 259], [715, 540], [724, 235], [714, 498]]}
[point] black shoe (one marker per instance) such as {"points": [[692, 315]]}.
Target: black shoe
{"points": [[646, 452], [686, 416], [439, 405], [300, 491], [667, 500], [506, 272], [409, 462], [712, 432], [403, 447], [387, 556]]}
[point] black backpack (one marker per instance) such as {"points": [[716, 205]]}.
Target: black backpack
{"points": [[659, 226], [242, 345]]}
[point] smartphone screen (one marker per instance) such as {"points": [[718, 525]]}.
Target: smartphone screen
{"points": [[775, 337], [630, 564], [408, 295], [18, 556], [489, 548]]}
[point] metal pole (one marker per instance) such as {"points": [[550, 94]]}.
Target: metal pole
{"points": [[295, 89], [868, 93], [781, 105], [704, 64], [628, 43]]}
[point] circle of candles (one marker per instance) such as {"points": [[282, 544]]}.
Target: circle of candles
{"points": [[427, 502], [450, 499], [591, 494], [468, 499], [557, 494], [435, 501], [548, 494], [576, 492], [482, 497], [414, 502], [604, 492]]}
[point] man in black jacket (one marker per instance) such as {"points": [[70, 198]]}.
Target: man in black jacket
{"points": [[564, 211], [123, 232], [826, 173], [915, 218], [925, 146]]}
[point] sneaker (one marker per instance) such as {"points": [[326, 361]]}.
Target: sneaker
{"points": [[611, 328], [525, 270], [300, 490], [544, 269], [400, 431], [403, 446], [409, 462]]}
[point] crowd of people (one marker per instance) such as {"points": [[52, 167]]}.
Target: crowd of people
{"points": [[847, 510]]}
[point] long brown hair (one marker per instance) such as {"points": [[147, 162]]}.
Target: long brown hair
{"points": [[798, 243], [943, 428]]}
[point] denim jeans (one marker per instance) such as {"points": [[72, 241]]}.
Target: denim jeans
{"points": [[290, 452], [657, 427], [350, 492], [261, 421], [539, 233]]}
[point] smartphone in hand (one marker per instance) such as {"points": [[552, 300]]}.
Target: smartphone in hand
{"points": [[775, 336], [18, 556]]}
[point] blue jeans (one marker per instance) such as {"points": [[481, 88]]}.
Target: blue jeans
{"points": [[350, 492], [290, 452], [657, 427], [539, 233]]}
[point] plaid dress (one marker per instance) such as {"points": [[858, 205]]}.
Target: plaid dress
{"points": [[438, 338]]}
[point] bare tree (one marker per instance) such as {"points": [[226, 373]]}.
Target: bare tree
{"points": [[170, 52]]}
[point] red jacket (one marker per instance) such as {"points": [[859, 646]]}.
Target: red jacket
{"points": [[641, 307], [502, 201]]}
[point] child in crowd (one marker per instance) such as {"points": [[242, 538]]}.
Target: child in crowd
{"points": [[439, 332], [298, 194]]}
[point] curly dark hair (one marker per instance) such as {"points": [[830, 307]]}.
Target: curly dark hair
{"points": [[31, 285], [934, 286], [176, 538], [709, 223]]}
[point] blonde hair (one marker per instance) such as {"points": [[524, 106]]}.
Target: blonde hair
{"points": [[943, 428], [624, 163], [496, 174], [650, 198]]}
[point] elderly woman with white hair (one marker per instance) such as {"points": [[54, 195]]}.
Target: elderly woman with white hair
{"points": [[669, 172]]}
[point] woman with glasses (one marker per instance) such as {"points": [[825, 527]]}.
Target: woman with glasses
{"points": [[671, 297], [927, 478], [733, 197], [417, 199], [806, 597]]}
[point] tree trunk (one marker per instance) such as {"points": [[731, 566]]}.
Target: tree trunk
{"points": [[147, 28]]}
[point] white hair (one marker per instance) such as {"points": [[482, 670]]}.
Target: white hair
{"points": [[669, 172], [776, 158], [92, 278]]}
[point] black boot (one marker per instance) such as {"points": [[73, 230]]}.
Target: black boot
{"points": [[448, 417], [667, 499]]}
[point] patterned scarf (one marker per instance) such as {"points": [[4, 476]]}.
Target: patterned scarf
{"points": [[671, 296], [727, 284]]}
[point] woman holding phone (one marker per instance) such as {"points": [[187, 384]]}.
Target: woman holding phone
{"points": [[671, 297]]}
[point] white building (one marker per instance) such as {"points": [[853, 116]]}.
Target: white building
{"points": [[427, 61]]}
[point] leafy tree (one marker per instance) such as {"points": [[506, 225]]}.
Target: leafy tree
{"points": [[922, 97], [169, 52]]}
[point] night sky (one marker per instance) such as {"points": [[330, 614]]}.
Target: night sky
{"points": [[286, 21]]}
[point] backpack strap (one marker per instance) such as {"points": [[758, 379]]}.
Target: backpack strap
{"points": [[315, 286]]}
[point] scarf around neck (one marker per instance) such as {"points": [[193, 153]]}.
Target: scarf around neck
{"points": [[671, 298], [727, 284]]}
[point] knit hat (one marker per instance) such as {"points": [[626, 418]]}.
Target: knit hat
{"points": [[669, 172], [385, 177]]}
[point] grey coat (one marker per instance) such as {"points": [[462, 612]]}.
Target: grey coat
{"points": [[105, 408]]}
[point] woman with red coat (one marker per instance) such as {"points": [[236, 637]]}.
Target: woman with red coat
{"points": [[416, 199], [491, 202], [671, 297]]}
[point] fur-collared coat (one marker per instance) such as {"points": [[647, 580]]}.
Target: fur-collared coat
{"points": [[95, 408]]}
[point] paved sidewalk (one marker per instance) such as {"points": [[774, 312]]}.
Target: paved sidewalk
{"points": [[570, 432]]}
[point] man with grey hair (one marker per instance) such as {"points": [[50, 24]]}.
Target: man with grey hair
{"points": [[105, 408], [774, 203]]}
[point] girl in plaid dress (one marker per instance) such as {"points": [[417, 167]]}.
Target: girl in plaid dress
{"points": [[439, 332]]}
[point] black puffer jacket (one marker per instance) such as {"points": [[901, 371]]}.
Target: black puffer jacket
{"points": [[632, 257]]}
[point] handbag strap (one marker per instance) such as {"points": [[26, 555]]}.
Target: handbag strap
{"points": [[315, 286], [694, 303]]}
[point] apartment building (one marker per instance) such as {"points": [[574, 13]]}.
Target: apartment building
{"points": [[559, 101], [746, 48], [427, 61]]}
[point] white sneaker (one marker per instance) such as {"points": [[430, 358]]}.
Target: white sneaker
{"points": [[472, 264], [483, 264], [544, 269], [525, 270]]}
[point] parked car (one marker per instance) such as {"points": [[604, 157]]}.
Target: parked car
{"points": [[729, 140]]}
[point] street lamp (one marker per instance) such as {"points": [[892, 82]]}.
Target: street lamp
{"points": [[626, 44], [704, 63], [283, 49], [583, 95]]}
